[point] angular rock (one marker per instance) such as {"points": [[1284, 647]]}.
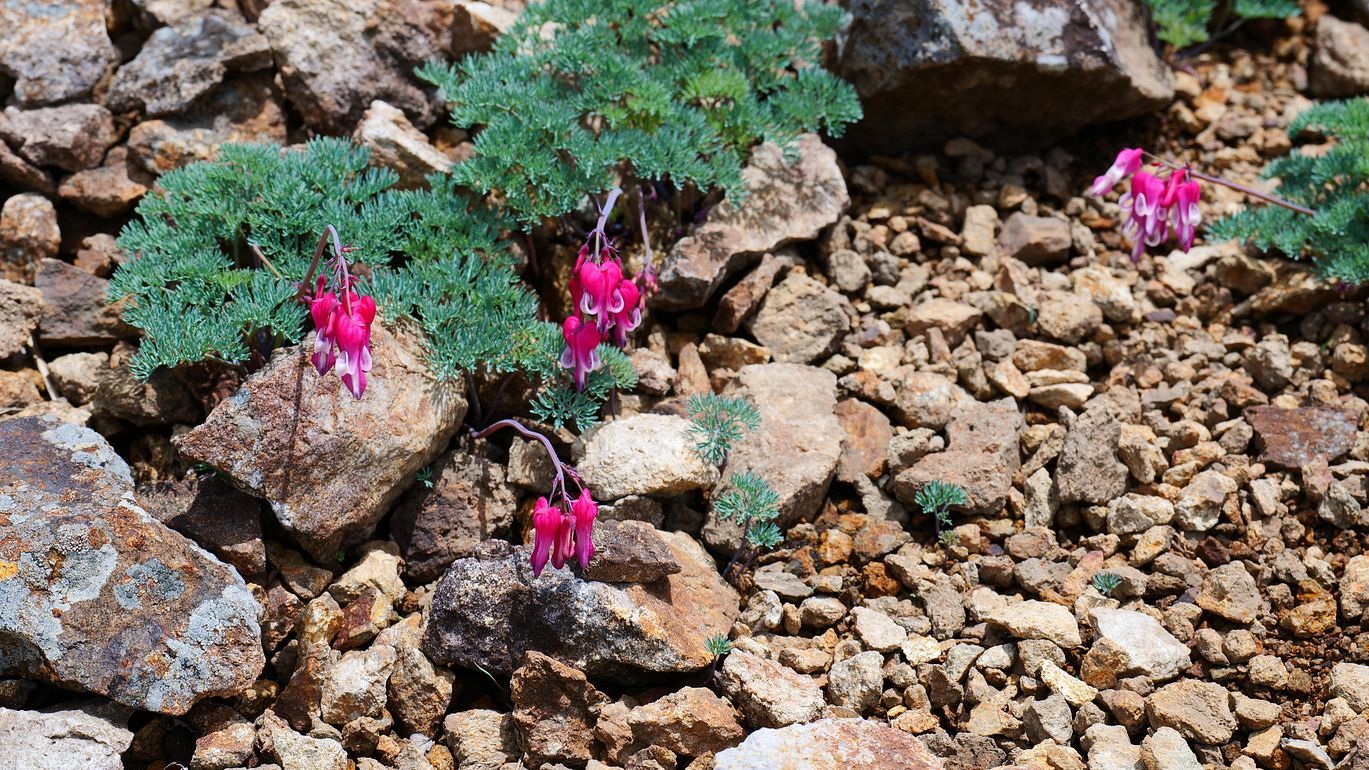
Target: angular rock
{"points": [[629, 552], [800, 320], [785, 203], [397, 145], [796, 447], [644, 454], [21, 307], [1110, 748], [769, 694], [1199, 710], [354, 685], [1230, 592], [107, 191], [1200, 505], [72, 137], [1036, 240], [293, 750], [1351, 682], [23, 175], [103, 597], [57, 55], [246, 108], [953, 319], [1294, 438], [28, 234], [336, 57], [1032, 619], [1132, 643], [865, 450], [64, 739], [1340, 60], [78, 313], [1008, 71], [181, 63], [1166, 749], [219, 517], [982, 458], [554, 710], [1089, 469], [162, 399], [477, 25], [689, 722], [856, 682], [468, 502], [329, 464], [829, 744], [420, 693], [481, 739], [925, 400], [489, 610]]}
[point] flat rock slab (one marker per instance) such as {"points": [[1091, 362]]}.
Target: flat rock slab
{"points": [[97, 594], [489, 610], [785, 202], [829, 744], [1292, 438], [69, 739], [329, 464]]}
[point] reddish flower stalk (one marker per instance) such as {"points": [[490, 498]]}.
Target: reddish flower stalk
{"points": [[562, 528]]}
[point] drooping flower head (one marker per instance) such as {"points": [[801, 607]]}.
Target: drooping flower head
{"points": [[1146, 216], [1128, 162], [546, 525], [1184, 212], [323, 311], [583, 511], [580, 355], [354, 341], [342, 325]]}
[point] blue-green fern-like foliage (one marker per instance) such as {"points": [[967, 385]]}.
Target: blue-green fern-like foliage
{"points": [[1334, 183], [578, 92], [197, 289], [1184, 23]]}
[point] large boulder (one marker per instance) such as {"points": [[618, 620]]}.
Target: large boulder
{"points": [[97, 595], [930, 70], [489, 610], [786, 201], [55, 51], [82, 738], [329, 464]]}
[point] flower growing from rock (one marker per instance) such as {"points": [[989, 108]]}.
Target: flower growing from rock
{"points": [[342, 320]]}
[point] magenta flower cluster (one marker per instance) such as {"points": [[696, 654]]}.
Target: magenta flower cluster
{"points": [[563, 532], [342, 322], [607, 305], [1157, 205]]}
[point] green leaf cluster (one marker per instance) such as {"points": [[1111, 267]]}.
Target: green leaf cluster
{"points": [[751, 502], [936, 498], [1334, 183], [1105, 582], [718, 423], [561, 404], [196, 287], [580, 93], [1183, 23]]}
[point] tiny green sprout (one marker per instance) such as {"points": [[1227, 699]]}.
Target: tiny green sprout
{"points": [[718, 423], [936, 499], [340, 557], [1105, 582], [718, 645], [764, 535], [749, 498], [425, 476]]}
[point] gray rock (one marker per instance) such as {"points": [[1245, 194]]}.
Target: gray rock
{"points": [[800, 320], [629, 552], [57, 55], [855, 683], [1230, 592], [329, 464], [1351, 682], [1089, 469], [480, 739], [101, 596], [983, 457], [89, 738], [246, 108], [1035, 240], [644, 454], [181, 63], [1002, 70], [769, 694], [489, 609], [21, 307], [1340, 60], [72, 137], [1200, 504], [78, 313], [1110, 748], [468, 502], [1146, 648], [1199, 710], [1166, 749], [786, 202]]}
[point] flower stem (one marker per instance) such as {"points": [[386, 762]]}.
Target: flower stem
{"points": [[1238, 187], [495, 427], [328, 231]]}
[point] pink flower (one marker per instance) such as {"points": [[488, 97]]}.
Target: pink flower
{"points": [[1146, 222], [599, 284], [1184, 215], [546, 526], [1128, 162], [584, 510], [324, 312], [629, 316], [580, 355], [353, 335]]}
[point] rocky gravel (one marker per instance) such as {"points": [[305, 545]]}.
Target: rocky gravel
{"points": [[209, 570]]}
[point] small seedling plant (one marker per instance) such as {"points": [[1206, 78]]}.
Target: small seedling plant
{"points": [[935, 499], [1185, 24], [1105, 582]]}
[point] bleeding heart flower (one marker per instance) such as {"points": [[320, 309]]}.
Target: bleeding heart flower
{"points": [[1184, 214], [580, 355], [599, 284], [546, 526], [629, 316], [1128, 162], [584, 510], [353, 325], [1146, 223], [323, 310]]}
